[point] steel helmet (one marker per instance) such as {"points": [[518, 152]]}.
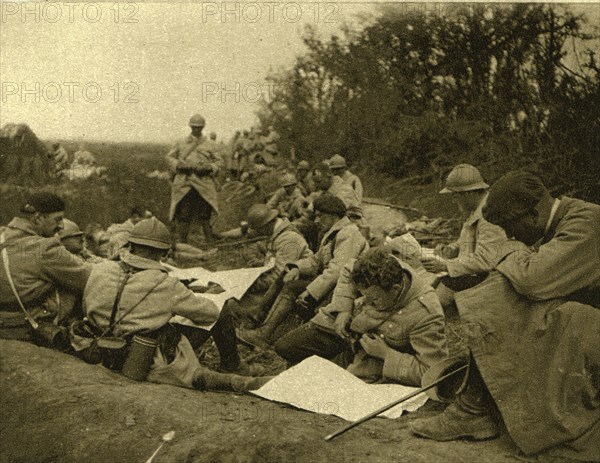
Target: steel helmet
{"points": [[151, 232], [70, 228], [337, 162], [259, 215], [289, 180], [197, 121], [303, 165], [464, 177]]}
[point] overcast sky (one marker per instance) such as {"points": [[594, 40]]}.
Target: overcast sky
{"points": [[138, 71]]}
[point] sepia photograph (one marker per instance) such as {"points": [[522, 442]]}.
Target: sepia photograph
{"points": [[299, 231]]}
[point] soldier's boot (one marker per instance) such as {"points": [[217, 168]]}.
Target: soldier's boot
{"points": [[209, 235], [209, 380], [262, 337], [469, 417], [181, 230]]}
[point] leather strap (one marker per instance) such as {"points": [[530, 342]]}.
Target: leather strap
{"points": [[28, 316]]}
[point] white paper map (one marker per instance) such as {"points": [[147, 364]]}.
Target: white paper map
{"points": [[321, 386], [234, 282]]}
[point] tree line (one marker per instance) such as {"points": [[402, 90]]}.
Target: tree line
{"points": [[502, 87]]}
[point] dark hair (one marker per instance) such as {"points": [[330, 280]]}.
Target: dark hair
{"points": [[138, 210], [377, 267], [44, 202]]}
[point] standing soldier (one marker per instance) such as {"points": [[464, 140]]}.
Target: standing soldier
{"points": [[193, 164]]}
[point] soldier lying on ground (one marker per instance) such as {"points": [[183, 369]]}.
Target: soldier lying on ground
{"points": [[47, 279], [309, 282], [394, 332], [136, 296], [532, 329]]}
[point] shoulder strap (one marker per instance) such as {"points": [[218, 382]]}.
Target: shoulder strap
{"points": [[115, 308], [3, 245]]}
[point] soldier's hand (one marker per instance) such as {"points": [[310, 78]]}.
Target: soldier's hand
{"points": [[291, 275], [305, 300], [435, 265], [341, 324], [445, 251], [374, 345]]}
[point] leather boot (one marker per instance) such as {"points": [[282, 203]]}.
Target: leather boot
{"points": [[209, 235], [261, 337], [181, 231], [467, 418], [209, 380]]}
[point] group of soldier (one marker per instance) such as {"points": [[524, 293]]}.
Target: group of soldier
{"points": [[523, 276]]}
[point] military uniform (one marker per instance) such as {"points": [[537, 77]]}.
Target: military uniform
{"points": [[195, 153], [287, 205], [48, 278], [414, 328], [352, 179], [153, 298]]}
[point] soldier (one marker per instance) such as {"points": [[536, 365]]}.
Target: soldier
{"points": [[310, 281], [532, 329], [193, 165], [305, 182], [42, 277], [399, 322], [71, 237], [136, 297], [288, 199], [60, 157], [477, 250], [339, 168], [326, 181], [119, 232]]}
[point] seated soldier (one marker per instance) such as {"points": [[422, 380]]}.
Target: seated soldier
{"points": [[286, 244], [42, 275], [305, 182], [339, 167], [287, 200], [136, 296], [326, 181], [119, 232], [399, 324], [532, 329], [309, 282], [71, 237], [478, 248]]}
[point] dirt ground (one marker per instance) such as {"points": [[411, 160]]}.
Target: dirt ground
{"points": [[55, 408]]}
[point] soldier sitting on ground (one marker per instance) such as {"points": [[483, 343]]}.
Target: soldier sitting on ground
{"points": [[478, 248], [340, 168], [288, 199], [309, 282], [304, 176], [137, 297], [71, 237], [398, 322], [42, 275]]}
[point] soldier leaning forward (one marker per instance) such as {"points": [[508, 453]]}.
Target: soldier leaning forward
{"points": [[38, 276], [133, 301]]}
